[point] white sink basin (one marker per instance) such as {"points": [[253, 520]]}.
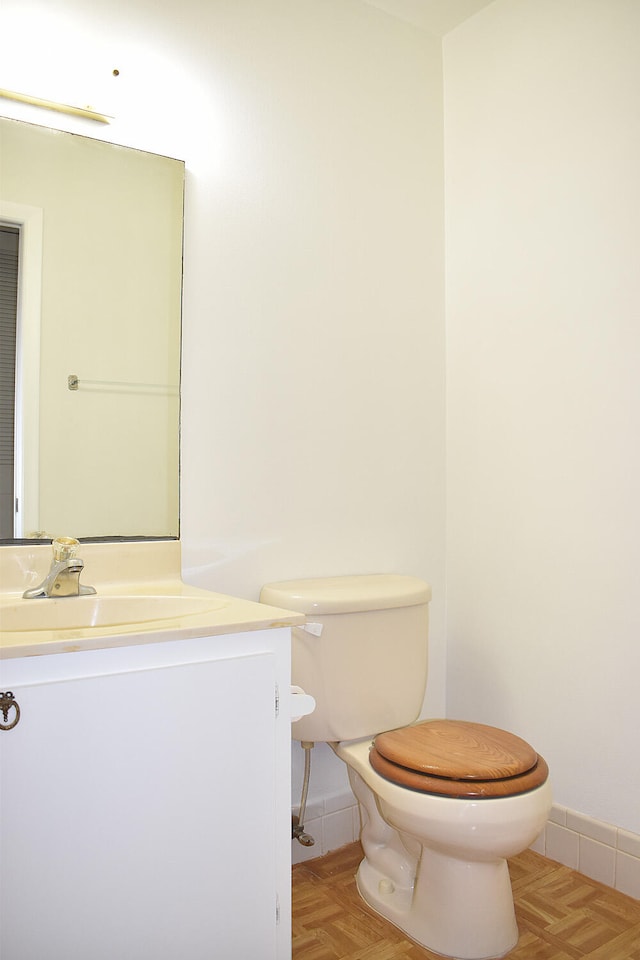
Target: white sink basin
{"points": [[75, 613]]}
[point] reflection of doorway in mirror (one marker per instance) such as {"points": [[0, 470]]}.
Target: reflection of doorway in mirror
{"points": [[19, 511], [9, 242]]}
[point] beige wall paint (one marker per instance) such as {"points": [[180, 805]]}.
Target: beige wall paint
{"points": [[436, 16], [543, 298]]}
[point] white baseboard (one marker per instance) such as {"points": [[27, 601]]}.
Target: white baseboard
{"points": [[333, 822], [599, 850]]}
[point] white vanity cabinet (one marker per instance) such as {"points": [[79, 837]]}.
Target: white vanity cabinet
{"points": [[144, 802]]}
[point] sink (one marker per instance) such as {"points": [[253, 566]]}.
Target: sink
{"points": [[76, 613]]}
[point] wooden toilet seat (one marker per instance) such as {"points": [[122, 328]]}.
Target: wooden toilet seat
{"points": [[455, 758]]}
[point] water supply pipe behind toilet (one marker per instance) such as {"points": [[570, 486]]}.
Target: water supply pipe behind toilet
{"points": [[297, 822]]}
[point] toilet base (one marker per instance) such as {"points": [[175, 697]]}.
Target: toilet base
{"points": [[456, 909], [437, 867]]}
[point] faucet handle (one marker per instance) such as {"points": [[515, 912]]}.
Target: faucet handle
{"points": [[64, 548]]}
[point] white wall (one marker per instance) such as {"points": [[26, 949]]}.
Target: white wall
{"points": [[313, 352], [542, 145], [314, 420], [313, 417]]}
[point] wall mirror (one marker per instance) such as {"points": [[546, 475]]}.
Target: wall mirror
{"points": [[91, 268]]}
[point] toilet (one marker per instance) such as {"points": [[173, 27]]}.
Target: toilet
{"points": [[443, 803]]}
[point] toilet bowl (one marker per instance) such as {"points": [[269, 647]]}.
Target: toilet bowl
{"points": [[435, 865], [443, 803]]}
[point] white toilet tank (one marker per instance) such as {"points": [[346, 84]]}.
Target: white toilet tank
{"points": [[362, 653]]}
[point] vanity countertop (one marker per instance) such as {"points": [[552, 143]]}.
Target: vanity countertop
{"points": [[225, 615], [201, 613]]}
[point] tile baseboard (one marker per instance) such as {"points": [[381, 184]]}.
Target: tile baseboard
{"points": [[599, 850], [333, 822]]}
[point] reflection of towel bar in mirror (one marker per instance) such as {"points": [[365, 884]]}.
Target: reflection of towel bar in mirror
{"points": [[120, 386]]}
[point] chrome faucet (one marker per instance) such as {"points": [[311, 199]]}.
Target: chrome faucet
{"points": [[63, 579]]}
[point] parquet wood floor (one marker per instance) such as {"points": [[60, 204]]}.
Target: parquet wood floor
{"points": [[561, 914]]}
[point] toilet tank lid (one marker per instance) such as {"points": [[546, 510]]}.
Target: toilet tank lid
{"points": [[348, 594]]}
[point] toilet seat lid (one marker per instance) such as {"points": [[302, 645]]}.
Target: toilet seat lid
{"points": [[457, 759], [457, 750]]}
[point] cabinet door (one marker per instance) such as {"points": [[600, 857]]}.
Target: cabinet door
{"points": [[137, 816]]}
